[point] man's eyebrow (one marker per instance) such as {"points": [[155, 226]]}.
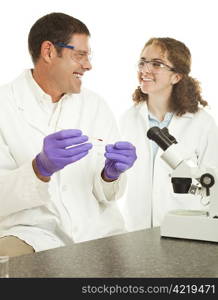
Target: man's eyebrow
{"points": [[82, 51]]}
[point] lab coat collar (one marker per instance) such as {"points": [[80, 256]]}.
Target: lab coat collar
{"points": [[27, 103], [175, 125], [143, 109], [35, 88], [27, 96]]}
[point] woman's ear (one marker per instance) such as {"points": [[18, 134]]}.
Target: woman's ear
{"points": [[176, 78]]}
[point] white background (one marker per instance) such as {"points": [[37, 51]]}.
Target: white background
{"points": [[119, 29]]}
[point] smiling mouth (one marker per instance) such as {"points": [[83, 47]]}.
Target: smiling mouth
{"points": [[77, 75], [146, 79]]}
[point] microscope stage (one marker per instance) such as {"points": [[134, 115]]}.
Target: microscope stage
{"points": [[190, 224]]}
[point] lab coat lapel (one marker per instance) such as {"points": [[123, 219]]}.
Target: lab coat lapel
{"points": [[28, 106], [146, 170], [179, 124], [178, 128], [71, 104], [144, 115], [148, 159]]}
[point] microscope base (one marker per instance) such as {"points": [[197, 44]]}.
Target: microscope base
{"points": [[195, 225]]}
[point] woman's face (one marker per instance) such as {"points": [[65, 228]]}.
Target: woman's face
{"points": [[154, 73]]}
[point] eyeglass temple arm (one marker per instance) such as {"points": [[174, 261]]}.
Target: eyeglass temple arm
{"points": [[64, 45]]}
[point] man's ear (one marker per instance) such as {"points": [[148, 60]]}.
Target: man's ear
{"points": [[176, 78], [47, 51]]}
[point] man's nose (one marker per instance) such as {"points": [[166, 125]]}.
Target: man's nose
{"points": [[87, 65]]}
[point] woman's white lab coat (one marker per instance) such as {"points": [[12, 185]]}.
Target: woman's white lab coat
{"points": [[76, 205], [149, 193]]}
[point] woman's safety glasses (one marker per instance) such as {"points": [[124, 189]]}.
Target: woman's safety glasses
{"points": [[154, 66]]}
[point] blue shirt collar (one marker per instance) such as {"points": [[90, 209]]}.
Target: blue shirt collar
{"points": [[168, 116]]}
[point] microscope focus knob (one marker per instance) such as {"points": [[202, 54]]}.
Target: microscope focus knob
{"points": [[207, 181]]}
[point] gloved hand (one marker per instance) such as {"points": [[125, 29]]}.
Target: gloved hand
{"points": [[55, 156], [119, 157]]}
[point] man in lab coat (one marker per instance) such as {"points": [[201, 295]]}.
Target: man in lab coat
{"points": [[58, 183]]}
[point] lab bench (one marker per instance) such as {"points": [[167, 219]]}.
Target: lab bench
{"points": [[136, 254]]}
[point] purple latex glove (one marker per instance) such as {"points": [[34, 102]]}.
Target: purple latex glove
{"points": [[119, 157], [55, 156]]}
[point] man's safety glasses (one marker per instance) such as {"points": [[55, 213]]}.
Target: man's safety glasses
{"points": [[77, 55]]}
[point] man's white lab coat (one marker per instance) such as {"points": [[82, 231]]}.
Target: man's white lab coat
{"points": [[76, 205], [150, 194]]}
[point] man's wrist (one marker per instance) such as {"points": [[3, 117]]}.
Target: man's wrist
{"points": [[107, 179], [38, 175]]}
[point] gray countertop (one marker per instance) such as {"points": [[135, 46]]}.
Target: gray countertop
{"points": [[137, 254]]}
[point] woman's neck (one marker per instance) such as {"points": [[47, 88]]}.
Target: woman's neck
{"points": [[158, 106]]}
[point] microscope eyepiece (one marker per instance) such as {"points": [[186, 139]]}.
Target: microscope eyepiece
{"points": [[161, 137]]}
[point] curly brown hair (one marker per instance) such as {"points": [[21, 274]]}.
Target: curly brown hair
{"points": [[186, 94]]}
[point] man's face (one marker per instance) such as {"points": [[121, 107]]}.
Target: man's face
{"points": [[67, 70]]}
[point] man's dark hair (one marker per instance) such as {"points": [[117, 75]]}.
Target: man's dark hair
{"points": [[54, 27]]}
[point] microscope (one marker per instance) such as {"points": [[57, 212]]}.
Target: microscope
{"points": [[188, 224]]}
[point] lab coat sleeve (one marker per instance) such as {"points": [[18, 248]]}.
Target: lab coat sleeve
{"points": [[208, 147], [20, 188], [102, 190], [109, 191]]}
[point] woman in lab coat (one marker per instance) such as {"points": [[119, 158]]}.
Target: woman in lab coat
{"points": [[166, 97]]}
